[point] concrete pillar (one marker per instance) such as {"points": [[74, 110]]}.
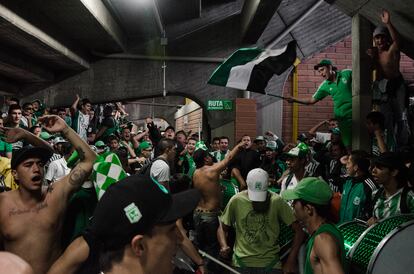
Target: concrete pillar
{"points": [[361, 81]]}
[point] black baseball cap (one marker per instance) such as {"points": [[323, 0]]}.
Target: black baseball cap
{"points": [[134, 206], [170, 127], [27, 152]]}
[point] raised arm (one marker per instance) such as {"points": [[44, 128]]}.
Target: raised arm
{"points": [[74, 106], [386, 19], [220, 166], [16, 134], [313, 130], [87, 157]]}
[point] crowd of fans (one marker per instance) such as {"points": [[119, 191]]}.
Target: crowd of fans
{"points": [[84, 191]]}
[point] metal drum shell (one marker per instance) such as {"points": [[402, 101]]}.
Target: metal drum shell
{"points": [[383, 245], [355, 222], [357, 268]]}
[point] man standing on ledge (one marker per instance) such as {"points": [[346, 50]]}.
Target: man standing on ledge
{"points": [[338, 84]]}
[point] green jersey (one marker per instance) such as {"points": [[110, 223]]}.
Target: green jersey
{"points": [[332, 230], [385, 207], [257, 234], [341, 92]]}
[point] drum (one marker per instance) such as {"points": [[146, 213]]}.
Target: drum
{"points": [[385, 247], [351, 232]]}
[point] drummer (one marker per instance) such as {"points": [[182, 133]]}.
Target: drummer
{"points": [[394, 196], [325, 252]]}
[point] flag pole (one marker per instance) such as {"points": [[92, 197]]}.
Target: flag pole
{"points": [[277, 96]]}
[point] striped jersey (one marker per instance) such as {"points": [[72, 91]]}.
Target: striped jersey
{"points": [[80, 123], [385, 207]]}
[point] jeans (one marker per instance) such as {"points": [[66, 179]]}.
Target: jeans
{"points": [[206, 225]]}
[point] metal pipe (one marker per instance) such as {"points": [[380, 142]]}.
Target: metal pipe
{"points": [[292, 26], [204, 254], [160, 58], [154, 104], [158, 18]]}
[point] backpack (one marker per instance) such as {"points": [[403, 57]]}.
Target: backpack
{"points": [[146, 168]]}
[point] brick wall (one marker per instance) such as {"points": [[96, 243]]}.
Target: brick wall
{"points": [[309, 80], [245, 118], [189, 121]]}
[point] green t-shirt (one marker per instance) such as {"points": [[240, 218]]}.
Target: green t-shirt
{"points": [[257, 234], [341, 92], [5, 148]]}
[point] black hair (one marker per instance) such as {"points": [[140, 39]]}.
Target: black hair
{"points": [[362, 159], [13, 107], [112, 137], [181, 132], [179, 182], [85, 101], [61, 109], [66, 148], [26, 104], [323, 211], [215, 139], [199, 156], [108, 258], [192, 138], [377, 118], [107, 111], [165, 144], [32, 129], [225, 137], [14, 99]]}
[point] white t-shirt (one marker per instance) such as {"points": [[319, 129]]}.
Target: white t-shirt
{"points": [[57, 169], [160, 171], [323, 137]]}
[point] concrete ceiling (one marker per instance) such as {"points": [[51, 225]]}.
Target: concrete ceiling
{"points": [[55, 47]]}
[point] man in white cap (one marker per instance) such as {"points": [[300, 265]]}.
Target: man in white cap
{"points": [[256, 215]]}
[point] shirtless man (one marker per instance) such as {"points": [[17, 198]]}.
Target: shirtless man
{"points": [[206, 179], [31, 220], [389, 91], [325, 252], [11, 263]]}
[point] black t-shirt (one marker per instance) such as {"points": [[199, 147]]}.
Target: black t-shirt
{"points": [[245, 161]]}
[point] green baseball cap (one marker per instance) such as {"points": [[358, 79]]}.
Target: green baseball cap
{"points": [[45, 135], [336, 131], [310, 189], [143, 146], [324, 62], [301, 150], [99, 143]]}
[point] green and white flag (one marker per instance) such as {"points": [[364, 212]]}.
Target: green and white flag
{"points": [[107, 170], [201, 145], [251, 68]]}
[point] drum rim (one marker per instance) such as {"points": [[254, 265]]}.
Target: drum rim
{"points": [[354, 221], [357, 242], [387, 237]]}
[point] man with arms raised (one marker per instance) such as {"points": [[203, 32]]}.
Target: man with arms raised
{"points": [[31, 220], [206, 179], [325, 252]]}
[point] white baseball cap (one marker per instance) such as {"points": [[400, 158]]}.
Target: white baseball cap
{"points": [[257, 184]]}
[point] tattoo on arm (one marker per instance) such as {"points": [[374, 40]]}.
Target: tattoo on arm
{"points": [[81, 153], [77, 176]]}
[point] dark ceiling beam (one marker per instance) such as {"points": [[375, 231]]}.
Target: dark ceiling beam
{"points": [[11, 20], [20, 68], [256, 14]]}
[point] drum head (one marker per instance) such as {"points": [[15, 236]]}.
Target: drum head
{"points": [[395, 252]]}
